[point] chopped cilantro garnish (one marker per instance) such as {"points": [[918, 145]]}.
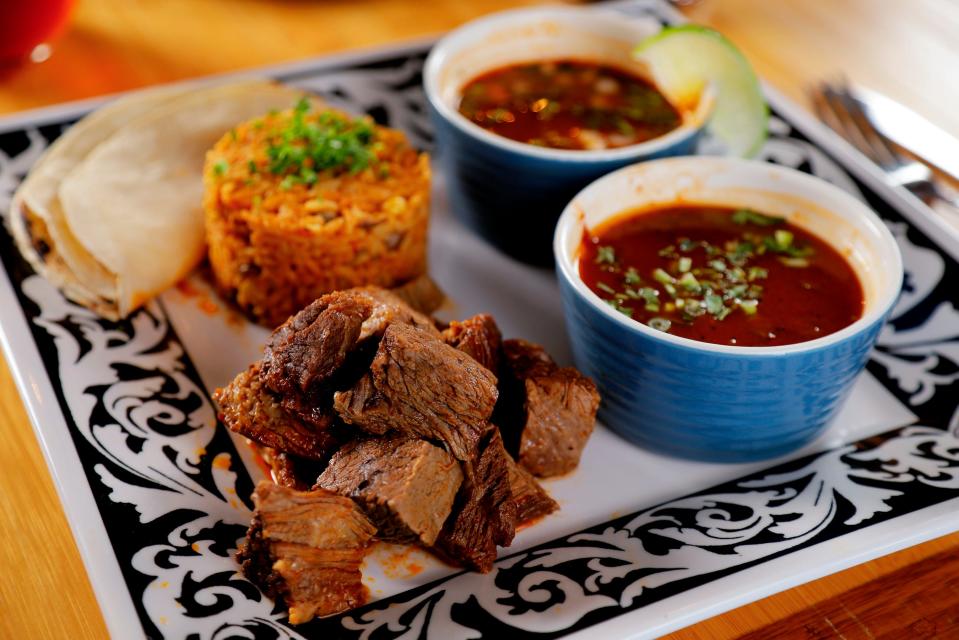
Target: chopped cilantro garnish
{"points": [[220, 167], [605, 255], [746, 216], [304, 146]]}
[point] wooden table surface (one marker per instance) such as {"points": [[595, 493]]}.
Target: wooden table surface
{"points": [[906, 50]]}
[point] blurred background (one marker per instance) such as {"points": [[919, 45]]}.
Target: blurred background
{"points": [[907, 50]]}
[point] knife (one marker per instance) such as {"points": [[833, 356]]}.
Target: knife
{"points": [[909, 130]]}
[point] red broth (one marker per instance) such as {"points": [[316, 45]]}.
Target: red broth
{"points": [[723, 276], [568, 104]]}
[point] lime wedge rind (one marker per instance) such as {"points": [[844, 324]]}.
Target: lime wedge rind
{"points": [[684, 59]]}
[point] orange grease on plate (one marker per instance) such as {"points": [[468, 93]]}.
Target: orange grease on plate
{"points": [[208, 307], [222, 461], [400, 562]]}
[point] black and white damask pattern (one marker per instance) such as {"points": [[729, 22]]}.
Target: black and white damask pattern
{"points": [[145, 430]]}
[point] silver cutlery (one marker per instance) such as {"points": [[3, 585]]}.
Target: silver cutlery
{"points": [[838, 107]]}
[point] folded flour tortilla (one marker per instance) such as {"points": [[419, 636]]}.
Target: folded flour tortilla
{"points": [[112, 212]]}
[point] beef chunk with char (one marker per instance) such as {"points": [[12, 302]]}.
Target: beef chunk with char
{"points": [[305, 548], [326, 346], [420, 386], [477, 337], [307, 349], [250, 409], [546, 412], [405, 485], [485, 514], [532, 501]]}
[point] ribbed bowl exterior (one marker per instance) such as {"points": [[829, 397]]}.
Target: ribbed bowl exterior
{"points": [[513, 200], [705, 405]]}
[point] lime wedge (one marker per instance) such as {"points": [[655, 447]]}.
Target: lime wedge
{"points": [[687, 59]]}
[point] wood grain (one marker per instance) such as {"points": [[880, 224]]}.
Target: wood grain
{"points": [[904, 49]]}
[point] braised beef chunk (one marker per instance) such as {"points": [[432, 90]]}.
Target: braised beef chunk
{"points": [[307, 349], [390, 309], [295, 472], [547, 412], [484, 515], [421, 293], [532, 501], [324, 347], [405, 485], [420, 386], [305, 547], [250, 409], [477, 337]]}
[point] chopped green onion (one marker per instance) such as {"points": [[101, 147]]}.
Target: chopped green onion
{"points": [[626, 311], [690, 283], [718, 265], [685, 264], [605, 255], [661, 276], [749, 307], [632, 276], [783, 238], [714, 303], [602, 286], [649, 294], [796, 263], [220, 167], [757, 273], [659, 324], [746, 216]]}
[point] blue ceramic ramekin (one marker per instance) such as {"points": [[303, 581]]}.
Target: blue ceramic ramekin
{"points": [[509, 192], [723, 402]]}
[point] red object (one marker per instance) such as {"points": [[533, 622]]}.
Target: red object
{"points": [[25, 24]]}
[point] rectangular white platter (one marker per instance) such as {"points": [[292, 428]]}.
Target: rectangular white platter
{"points": [[157, 493]]}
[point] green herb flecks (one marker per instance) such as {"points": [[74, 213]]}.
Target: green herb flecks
{"points": [[605, 255], [304, 146], [747, 216], [220, 167]]}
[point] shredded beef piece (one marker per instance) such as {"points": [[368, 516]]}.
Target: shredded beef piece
{"points": [[305, 547], [484, 515], [477, 337], [248, 408], [420, 386], [547, 413], [532, 501], [421, 293], [406, 486]]}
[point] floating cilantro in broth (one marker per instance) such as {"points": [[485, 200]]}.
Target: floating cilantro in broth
{"points": [[306, 145], [699, 278], [747, 216]]}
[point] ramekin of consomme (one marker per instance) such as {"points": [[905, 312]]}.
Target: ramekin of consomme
{"points": [[531, 105], [724, 307]]}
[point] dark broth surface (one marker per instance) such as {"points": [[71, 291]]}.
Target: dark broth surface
{"points": [[720, 275], [568, 104]]}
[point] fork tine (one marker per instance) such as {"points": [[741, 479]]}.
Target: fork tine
{"points": [[848, 127], [882, 153], [824, 110]]}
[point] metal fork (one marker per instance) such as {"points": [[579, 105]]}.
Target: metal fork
{"points": [[838, 108]]}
